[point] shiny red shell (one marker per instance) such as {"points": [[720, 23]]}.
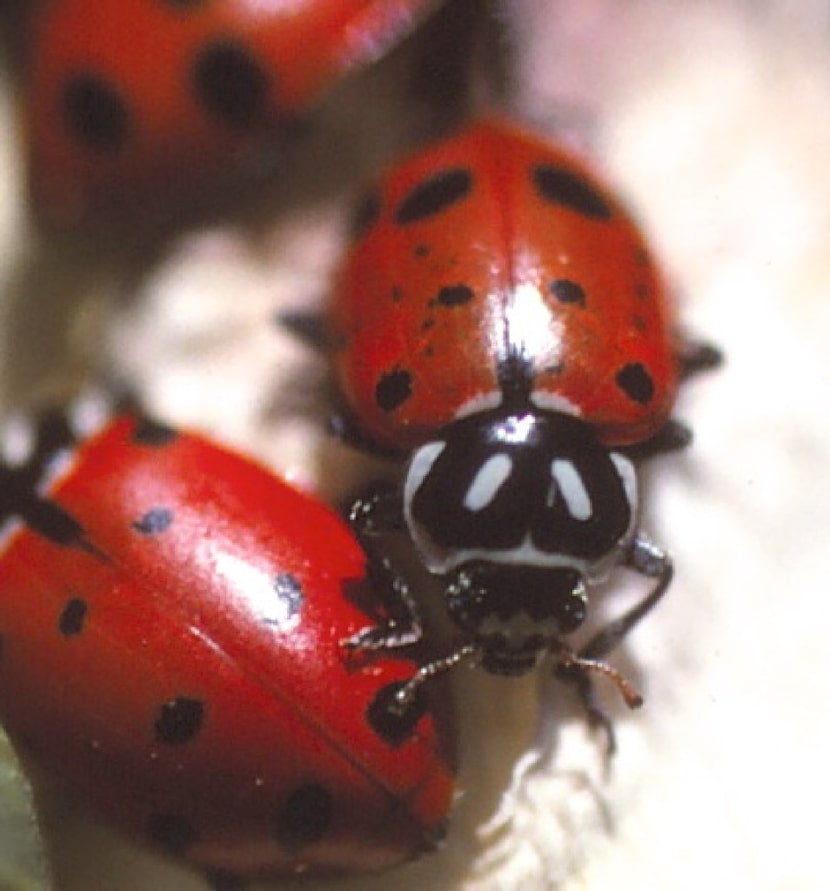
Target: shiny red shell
{"points": [[129, 100], [180, 667], [494, 244]]}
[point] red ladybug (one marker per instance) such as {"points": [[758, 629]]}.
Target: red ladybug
{"points": [[501, 320], [172, 618], [129, 98]]}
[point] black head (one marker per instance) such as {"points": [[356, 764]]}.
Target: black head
{"points": [[514, 613], [520, 512]]}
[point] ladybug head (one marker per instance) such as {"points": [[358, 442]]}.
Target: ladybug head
{"points": [[520, 512], [515, 613]]}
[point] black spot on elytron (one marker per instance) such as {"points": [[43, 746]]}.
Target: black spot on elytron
{"points": [[391, 723], [434, 195], [564, 188], [290, 598], [72, 618], [566, 291], [454, 295], [231, 84], [179, 720], [152, 433], [154, 521], [172, 832], [421, 251], [95, 113], [305, 817], [635, 381], [396, 294], [393, 389], [366, 214]]}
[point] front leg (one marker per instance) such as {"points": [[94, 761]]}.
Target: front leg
{"points": [[651, 561], [30, 448], [671, 437], [400, 622], [376, 513]]}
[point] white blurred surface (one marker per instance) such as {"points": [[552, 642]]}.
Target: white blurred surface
{"points": [[714, 119]]}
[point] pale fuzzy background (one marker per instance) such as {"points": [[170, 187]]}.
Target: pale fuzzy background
{"points": [[714, 119]]}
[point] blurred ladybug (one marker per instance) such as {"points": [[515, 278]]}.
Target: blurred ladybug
{"points": [[171, 618], [500, 320], [137, 98]]}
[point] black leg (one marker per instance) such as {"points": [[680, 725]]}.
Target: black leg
{"points": [[406, 695], [671, 437], [19, 482], [578, 670], [652, 562], [582, 682], [373, 515], [348, 430], [694, 356], [50, 433], [376, 511], [399, 620], [308, 327]]}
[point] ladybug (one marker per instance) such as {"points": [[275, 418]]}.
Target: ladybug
{"points": [[499, 319], [171, 618], [130, 98]]}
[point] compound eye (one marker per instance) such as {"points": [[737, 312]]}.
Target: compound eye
{"points": [[573, 610]]}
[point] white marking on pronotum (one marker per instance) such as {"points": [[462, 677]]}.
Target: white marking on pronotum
{"points": [[490, 478], [572, 488]]}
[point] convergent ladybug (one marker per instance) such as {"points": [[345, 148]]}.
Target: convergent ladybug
{"points": [[171, 619], [130, 98], [500, 319]]}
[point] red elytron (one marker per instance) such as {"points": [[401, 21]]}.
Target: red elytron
{"points": [[490, 245], [132, 99], [172, 620]]}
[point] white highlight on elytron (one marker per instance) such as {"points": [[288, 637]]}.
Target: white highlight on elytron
{"points": [[531, 326], [572, 488], [256, 586], [490, 477]]}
